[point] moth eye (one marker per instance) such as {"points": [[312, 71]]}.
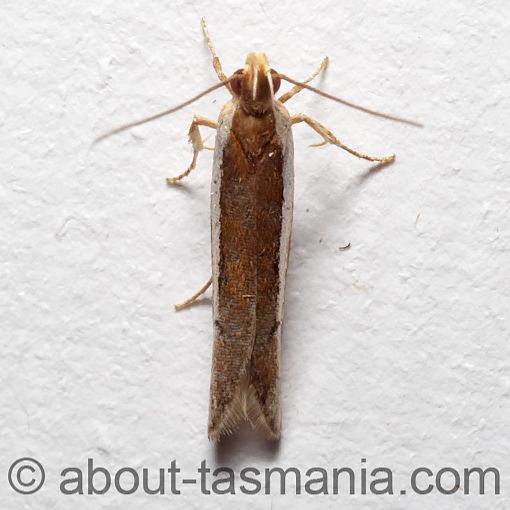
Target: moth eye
{"points": [[276, 82], [236, 84]]}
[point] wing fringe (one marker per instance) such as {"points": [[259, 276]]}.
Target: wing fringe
{"points": [[244, 405]]}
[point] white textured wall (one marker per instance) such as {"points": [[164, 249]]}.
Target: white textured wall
{"points": [[396, 351]]}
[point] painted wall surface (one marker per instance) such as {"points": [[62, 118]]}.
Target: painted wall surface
{"points": [[395, 353]]}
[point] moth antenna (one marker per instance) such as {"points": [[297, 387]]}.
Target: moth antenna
{"points": [[167, 112], [346, 103]]}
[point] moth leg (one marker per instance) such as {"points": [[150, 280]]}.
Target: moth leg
{"points": [[292, 92], [329, 137], [205, 146], [196, 140], [194, 297], [215, 59]]}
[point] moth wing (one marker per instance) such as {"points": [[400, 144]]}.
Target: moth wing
{"points": [[234, 282], [264, 392], [251, 217]]}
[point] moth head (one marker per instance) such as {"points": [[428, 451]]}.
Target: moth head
{"points": [[257, 86]]}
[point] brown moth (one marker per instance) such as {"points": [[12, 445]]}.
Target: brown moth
{"points": [[251, 218]]}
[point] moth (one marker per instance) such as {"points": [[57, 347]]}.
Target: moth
{"points": [[251, 218]]}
